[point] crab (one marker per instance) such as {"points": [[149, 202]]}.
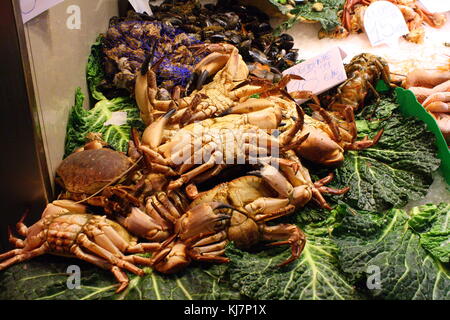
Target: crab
{"points": [[326, 134], [93, 167], [203, 149], [66, 229], [141, 207], [230, 90], [236, 211]]}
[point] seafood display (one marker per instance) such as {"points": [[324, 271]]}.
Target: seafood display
{"points": [[190, 140], [340, 18], [215, 175], [413, 11]]}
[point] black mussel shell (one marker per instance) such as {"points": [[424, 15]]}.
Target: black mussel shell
{"points": [[216, 37], [258, 56], [263, 28], [292, 55], [285, 41]]}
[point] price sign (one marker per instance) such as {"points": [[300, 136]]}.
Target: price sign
{"points": [[141, 6], [384, 23], [319, 73]]}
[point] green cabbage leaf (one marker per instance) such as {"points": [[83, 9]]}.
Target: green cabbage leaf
{"points": [[82, 121]]}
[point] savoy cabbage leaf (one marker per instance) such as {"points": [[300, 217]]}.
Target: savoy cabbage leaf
{"points": [[82, 121], [95, 73], [385, 258], [435, 227], [398, 169], [46, 278], [328, 17], [316, 275]]}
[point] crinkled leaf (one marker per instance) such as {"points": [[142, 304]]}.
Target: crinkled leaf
{"points": [[437, 239], [82, 121], [314, 276], [46, 278], [95, 73], [382, 252], [398, 169], [328, 17]]}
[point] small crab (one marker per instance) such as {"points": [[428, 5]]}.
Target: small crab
{"points": [[73, 232], [222, 215]]}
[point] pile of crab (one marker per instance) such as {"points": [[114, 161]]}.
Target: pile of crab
{"points": [[236, 126]]}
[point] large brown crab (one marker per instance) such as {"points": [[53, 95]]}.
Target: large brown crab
{"points": [[230, 89], [236, 211], [202, 150], [75, 233]]}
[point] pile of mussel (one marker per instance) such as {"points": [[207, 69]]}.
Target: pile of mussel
{"points": [[228, 21], [179, 26]]}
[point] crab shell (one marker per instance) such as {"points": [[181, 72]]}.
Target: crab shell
{"points": [[90, 170]]}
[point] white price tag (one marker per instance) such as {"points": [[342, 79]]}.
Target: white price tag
{"points": [[320, 73], [118, 118], [436, 6], [33, 8], [141, 6], [384, 23]]}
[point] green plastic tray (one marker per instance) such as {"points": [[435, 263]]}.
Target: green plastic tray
{"points": [[410, 107]]}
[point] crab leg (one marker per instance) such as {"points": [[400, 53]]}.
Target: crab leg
{"points": [[209, 240], [95, 248], [209, 66], [21, 228], [153, 134], [328, 120], [288, 234], [350, 118], [251, 105], [120, 276], [217, 155], [438, 106], [365, 143], [20, 255], [265, 209], [162, 210], [440, 96], [149, 226], [124, 246], [286, 137], [208, 174], [16, 242]]}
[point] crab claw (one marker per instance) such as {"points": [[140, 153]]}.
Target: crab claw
{"points": [[205, 218], [153, 134], [206, 68], [141, 87]]}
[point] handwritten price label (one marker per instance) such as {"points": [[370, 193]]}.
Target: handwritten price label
{"points": [[320, 73], [141, 6], [384, 23]]}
